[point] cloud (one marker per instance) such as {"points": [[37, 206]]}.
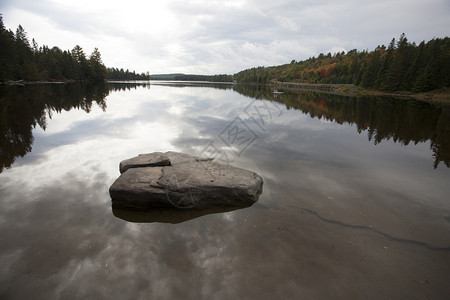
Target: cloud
{"points": [[216, 37]]}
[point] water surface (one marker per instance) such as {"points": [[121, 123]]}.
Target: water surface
{"points": [[355, 201]]}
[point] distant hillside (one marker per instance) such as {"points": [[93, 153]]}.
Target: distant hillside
{"points": [[164, 76], [193, 77], [402, 66]]}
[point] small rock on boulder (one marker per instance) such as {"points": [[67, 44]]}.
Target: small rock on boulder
{"points": [[179, 180]]}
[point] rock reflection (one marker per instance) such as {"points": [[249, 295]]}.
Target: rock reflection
{"points": [[169, 215], [59, 239]]}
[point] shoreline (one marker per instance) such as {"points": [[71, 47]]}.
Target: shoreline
{"points": [[435, 96], [26, 82]]}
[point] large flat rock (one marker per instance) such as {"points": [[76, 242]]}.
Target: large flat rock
{"points": [[145, 160], [179, 180]]}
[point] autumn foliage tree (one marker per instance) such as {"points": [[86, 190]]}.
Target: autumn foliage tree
{"points": [[402, 66]]}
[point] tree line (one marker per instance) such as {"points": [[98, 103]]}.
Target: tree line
{"points": [[116, 74], [210, 78], [193, 77], [21, 59], [401, 66]]}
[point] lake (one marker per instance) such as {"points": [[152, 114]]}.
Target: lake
{"points": [[355, 202]]}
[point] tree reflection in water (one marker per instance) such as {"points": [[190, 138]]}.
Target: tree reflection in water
{"points": [[24, 108], [384, 118]]}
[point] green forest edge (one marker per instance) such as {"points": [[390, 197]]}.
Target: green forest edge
{"points": [[25, 62], [406, 69], [402, 68]]}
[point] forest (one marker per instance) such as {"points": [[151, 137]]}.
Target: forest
{"points": [[21, 59], [401, 66]]}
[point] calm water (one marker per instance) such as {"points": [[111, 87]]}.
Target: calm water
{"points": [[355, 204]]}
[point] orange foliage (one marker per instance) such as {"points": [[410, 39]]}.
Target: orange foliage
{"points": [[330, 69]]}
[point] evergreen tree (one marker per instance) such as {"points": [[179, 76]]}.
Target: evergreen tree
{"points": [[416, 68], [81, 62], [99, 70], [7, 52], [383, 79], [371, 71], [401, 62], [20, 59]]}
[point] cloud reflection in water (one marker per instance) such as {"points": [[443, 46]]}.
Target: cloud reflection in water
{"points": [[60, 239]]}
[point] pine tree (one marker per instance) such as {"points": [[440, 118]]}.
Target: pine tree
{"points": [[383, 80], [7, 52], [81, 62], [370, 75], [99, 71], [415, 69]]}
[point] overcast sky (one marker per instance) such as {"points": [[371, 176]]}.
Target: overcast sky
{"points": [[211, 37]]}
